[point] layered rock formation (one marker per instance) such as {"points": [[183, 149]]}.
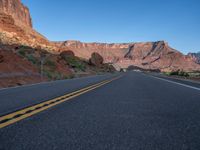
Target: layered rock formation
{"points": [[195, 56], [16, 26], [110, 52], [147, 55], [17, 10], [158, 55]]}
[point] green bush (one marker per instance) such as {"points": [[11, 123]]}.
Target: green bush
{"points": [[179, 73], [167, 73], [75, 63], [48, 74], [183, 74], [32, 59], [53, 75], [22, 52], [50, 63]]}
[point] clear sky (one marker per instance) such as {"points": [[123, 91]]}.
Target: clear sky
{"points": [[176, 21]]}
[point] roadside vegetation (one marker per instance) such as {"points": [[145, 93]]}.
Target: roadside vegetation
{"points": [[75, 63], [64, 65], [40, 58], [181, 73]]}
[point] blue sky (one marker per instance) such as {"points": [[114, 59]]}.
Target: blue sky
{"points": [[175, 21]]}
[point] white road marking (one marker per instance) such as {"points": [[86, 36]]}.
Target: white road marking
{"points": [[185, 85]]}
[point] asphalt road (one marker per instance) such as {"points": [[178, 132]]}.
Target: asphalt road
{"points": [[13, 99], [134, 112]]}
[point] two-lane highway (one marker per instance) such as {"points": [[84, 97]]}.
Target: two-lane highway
{"points": [[135, 111]]}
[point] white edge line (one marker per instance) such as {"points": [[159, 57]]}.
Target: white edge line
{"points": [[188, 86]]}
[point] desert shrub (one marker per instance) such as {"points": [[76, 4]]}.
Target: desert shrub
{"points": [[179, 73], [50, 63], [22, 52], [48, 74], [183, 74], [57, 76], [52, 75], [167, 73], [174, 73], [32, 59], [70, 76], [75, 63], [194, 74]]}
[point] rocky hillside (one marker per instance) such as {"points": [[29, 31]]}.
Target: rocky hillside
{"points": [[22, 65], [158, 55], [110, 52], [147, 55]]}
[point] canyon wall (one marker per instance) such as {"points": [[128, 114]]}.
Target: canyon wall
{"points": [[195, 56], [16, 26], [17, 10], [147, 55], [110, 52]]}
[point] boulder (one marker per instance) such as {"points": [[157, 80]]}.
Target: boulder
{"points": [[67, 54], [96, 59]]}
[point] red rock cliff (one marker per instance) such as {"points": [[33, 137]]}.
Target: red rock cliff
{"points": [[147, 55], [16, 26], [17, 10]]}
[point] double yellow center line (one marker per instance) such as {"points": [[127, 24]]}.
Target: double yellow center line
{"points": [[32, 110]]}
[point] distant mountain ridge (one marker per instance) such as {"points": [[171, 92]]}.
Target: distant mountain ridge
{"points": [[147, 55], [16, 28], [195, 56]]}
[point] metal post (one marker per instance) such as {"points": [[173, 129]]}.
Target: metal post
{"points": [[42, 59], [41, 69]]}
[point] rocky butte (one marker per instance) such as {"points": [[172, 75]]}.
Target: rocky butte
{"points": [[16, 28]]}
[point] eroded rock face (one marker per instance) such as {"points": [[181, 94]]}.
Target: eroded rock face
{"points": [[10, 34], [147, 55], [17, 10], [195, 57], [110, 52], [16, 26]]}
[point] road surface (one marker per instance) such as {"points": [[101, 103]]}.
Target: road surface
{"points": [[134, 112]]}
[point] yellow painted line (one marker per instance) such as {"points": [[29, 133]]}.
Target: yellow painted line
{"points": [[32, 110]]}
